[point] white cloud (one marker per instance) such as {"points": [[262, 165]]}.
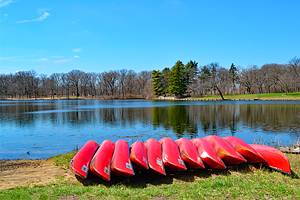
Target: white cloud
{"points": [[76, 50], [43, 16], [76, 56], [62, 60], [4, 3]]}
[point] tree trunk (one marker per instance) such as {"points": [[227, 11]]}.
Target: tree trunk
{"points": [[220, 92]]}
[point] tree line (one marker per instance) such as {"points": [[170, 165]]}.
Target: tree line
{"points": [[112, 84], [181, 80], [191, 80]]}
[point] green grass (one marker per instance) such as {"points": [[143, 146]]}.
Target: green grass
{"points": [[243, 183], [263, 96], [63, 160]]}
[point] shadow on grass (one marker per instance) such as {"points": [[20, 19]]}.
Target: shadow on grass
{"points": [[294, 175], [144, 178]]}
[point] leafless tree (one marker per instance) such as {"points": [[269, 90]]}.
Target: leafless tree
{"points": [[203, 80]]}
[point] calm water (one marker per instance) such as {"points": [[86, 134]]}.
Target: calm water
{"points": [[40, 129]]}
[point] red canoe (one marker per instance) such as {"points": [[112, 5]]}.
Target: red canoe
{"points": [[100, 163], [81, 161], [138, 155], [274, 158], [189, 153], [208, 154], [249, 153], [171, 155], [225, 151], [154, 154], [121, 163]]}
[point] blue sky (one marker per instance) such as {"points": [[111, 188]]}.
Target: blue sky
{"points": [[58, 36]]}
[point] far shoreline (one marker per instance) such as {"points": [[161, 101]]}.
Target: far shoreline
{"points": [[235, 97]]}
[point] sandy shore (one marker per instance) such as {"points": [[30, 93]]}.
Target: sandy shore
{"points": [[17, 173]]}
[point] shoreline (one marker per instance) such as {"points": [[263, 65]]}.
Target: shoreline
{"points": [[154, 99], [295, 96]]}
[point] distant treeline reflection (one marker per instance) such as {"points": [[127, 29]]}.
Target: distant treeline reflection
{"points": [[182, 119]]}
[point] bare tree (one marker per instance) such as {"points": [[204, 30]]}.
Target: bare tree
{"points": [[74, 78]]}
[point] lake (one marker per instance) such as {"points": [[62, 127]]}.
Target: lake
{"points": [[44, 128]]}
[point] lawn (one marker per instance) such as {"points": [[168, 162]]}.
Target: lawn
{"points": [[263, 96], [247, 182]]}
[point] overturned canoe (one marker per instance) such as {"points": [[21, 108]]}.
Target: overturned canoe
{"points": [[249, 153], [100, 164], [138, 154], [154, 154], [121, 163], [171, 155], [208, 154], [189, 153], [274, 158], [81, 161], [225, 151]]}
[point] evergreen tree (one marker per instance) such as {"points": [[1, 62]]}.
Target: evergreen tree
{"points": [[205, 73], [177, 83], [157, 84], [165, 79], [233, 72], [191, 70]]}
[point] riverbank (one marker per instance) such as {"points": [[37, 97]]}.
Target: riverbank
{"points": [[70, 98], [52, 179], [240, 97], [235, 97]]}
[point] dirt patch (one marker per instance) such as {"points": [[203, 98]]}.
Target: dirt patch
{"points": [[6, 165], [18, 173]]}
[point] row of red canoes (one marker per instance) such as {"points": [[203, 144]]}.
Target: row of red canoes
{"points": [[212, 152]]}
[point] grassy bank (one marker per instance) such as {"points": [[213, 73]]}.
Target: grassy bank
{"points": [[264, 96], [247, 182]]}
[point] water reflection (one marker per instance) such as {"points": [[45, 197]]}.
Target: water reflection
{"points": [[75, 121], [176, 118], [181, 119]]}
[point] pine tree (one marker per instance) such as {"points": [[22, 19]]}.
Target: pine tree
{"points": [[191, 70], [233, 72], [157, 82], [177, 83], [165, 80]]}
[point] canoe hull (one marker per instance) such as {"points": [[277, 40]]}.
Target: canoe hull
{"points": [[154, 154], [121, 164], [171, 155], [225, 151], [249, 153], [189, 153], [208, 154], [100, 164], [138, 155], [81, 161], [274, 158]]}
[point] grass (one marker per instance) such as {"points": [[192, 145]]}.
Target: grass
{"points": [[244, 183], [63, 160], [263, 96]]}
